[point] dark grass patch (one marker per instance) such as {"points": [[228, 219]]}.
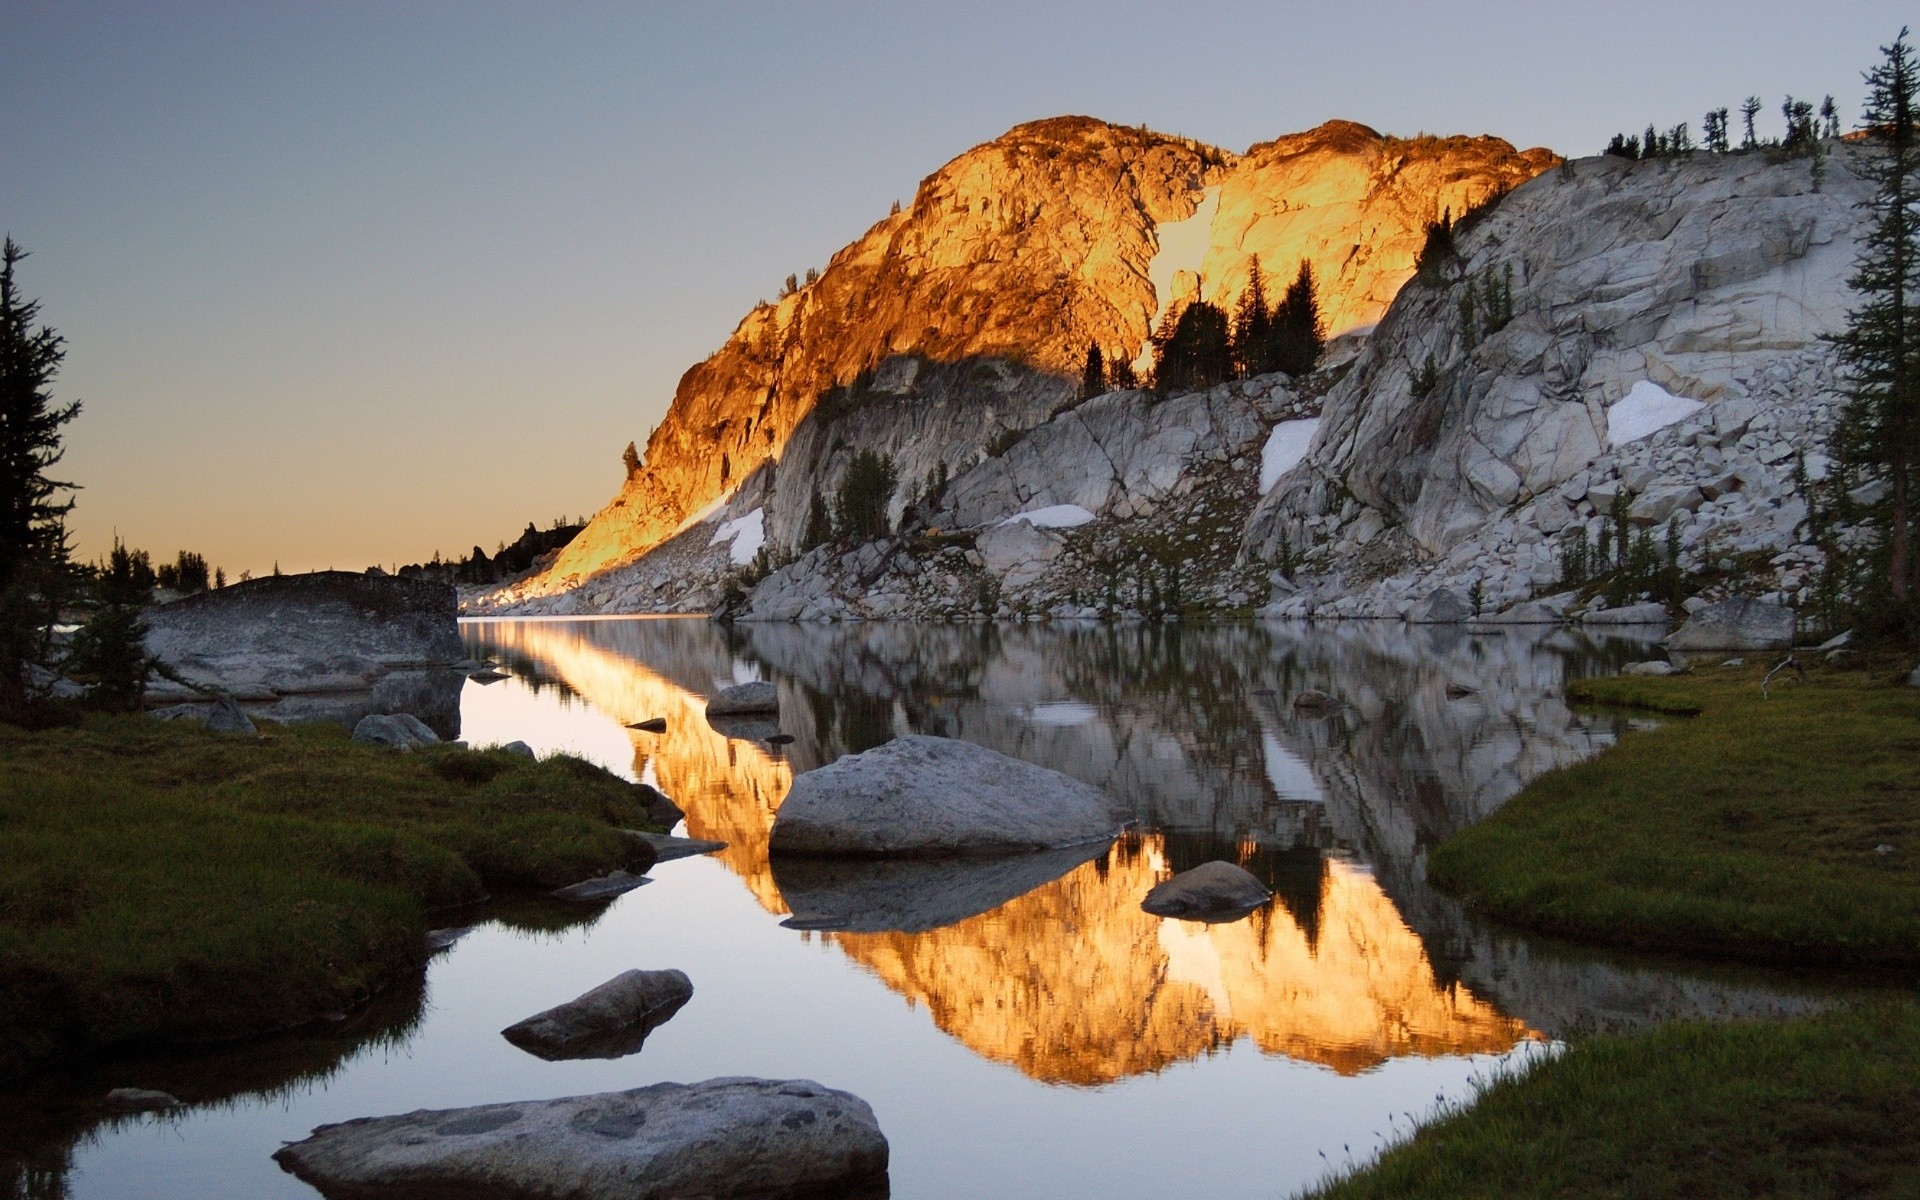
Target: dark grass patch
{"points": [[1816, 1107], [1751, 830], [159, 883]]}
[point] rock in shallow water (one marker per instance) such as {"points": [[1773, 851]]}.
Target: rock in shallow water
{"points": [[611, 1021], [744, 699], [1214, 891], [606, 887], [919, 796], [722, 1138]]}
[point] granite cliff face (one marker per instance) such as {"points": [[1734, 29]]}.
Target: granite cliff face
{"points": [[1026, 249]]}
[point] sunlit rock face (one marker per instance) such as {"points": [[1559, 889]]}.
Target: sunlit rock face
{"points": [[1027, 249]]}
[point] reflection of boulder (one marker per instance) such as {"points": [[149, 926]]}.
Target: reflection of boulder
{"points": [[910, 896], [744, 728]]}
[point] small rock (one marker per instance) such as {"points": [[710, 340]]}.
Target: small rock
{"points": [[381, 729], [488, 675], [1734, 662], [650, 725], [128, 1099], [606, 887], [226, 717], [1883, 850], [1213, 891], [780, 739], [745, 699], [1836, 641], [1655, 667], [1313, 700], [520, 748], [611, 1021]]}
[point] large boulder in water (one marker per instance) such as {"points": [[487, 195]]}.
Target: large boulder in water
{"points": [[745, 699], [1213, 891], [725, 1137], [919, 796], [1736, 624], [611, 1021]]}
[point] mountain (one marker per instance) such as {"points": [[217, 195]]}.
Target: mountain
{"points": [[1059, 234]]}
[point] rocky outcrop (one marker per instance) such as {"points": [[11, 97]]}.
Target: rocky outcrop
{"points": [[610, 1021], [725, 1137], [1212, 891], [1736, 625], [1664, 345], [1060, 234], [328, 645], [921, 797]]}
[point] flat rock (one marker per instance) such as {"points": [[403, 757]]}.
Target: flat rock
{"points": [[1213, 891], [1630, 614], [745, 699], [873, 895], [1736, 624], [666, 847], [606, 887], [919, 796], [611, 1021], [722, 1138]]}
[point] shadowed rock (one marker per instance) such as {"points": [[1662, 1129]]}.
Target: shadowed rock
{"points": [[606, 887], [919, 796], [1737, 624], [611, 1021], [760, 1138], [877, 895], [1214, 891]]}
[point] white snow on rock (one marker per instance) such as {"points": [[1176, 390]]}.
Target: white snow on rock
{"points": [[1285, 447], [747, 534], [1054, 516], [1647, 409]]}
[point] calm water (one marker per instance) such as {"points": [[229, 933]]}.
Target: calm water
{"points": [[1022, 1031]]}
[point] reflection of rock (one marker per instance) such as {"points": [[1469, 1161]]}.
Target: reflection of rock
{"points": [[610, 1021], [911, 896], [1212, 891], [724, 1137], [745, 729], [128, 1099], [922, 796]]}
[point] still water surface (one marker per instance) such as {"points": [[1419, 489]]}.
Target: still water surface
{"points": [[1019, 1030]]}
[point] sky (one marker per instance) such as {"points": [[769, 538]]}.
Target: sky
{"points": [[350, 283]]}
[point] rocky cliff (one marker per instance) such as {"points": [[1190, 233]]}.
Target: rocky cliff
{"points": [[1060, 234]]}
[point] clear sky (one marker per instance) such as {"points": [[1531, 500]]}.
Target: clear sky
{"points": [[347, 283]]}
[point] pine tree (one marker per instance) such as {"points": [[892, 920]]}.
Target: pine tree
{"points": [[865, 492], [33, 538], [109, 652], [1714, 133], [1829, 118], [1251, 324], [1120, 376], [1749, 109], [1197, 354], [1297, 326], [1879, 435], [1093, 377], [819, 529]]}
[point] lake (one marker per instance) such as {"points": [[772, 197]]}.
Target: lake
{"points": [[1021, 1029]]}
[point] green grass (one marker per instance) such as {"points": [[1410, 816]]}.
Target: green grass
{"points": [[159, 883], [1812, 1108], [1749, 830]]}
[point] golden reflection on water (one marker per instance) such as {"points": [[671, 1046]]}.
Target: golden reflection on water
{"points": [[1071, 982]]}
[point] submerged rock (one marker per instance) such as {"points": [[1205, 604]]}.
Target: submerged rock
{"points": [[745, 699], [1213, 891], [722, 1138], [666, 848], [611, 1021], [606, 887], [919, 796], [1737, 624], [868, 895]]}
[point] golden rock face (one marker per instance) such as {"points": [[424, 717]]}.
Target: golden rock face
{"points": [[1035, 245], [1072, 982]]}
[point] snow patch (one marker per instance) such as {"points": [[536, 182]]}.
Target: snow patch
{"points": [[747, 534], [1647, 409], [1054, 516], [1285, 447]]}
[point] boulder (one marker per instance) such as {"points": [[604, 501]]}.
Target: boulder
{"points": [[919, 796], [611, 1021], [722, 1138], [381, 729], [745, 699], [1213, 891], [1736, 624], [1630, 614], [520, 748], [1913, 679], [606, 887], [1443, 607], [226, 717], [661, 811]]}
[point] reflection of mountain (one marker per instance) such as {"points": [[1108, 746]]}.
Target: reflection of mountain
{"points": [[1070, 982]]}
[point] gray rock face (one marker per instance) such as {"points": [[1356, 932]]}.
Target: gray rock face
{"points": [[611, 1021], [1738, 624], [868, 895], [920, 796], [1213, 891], [396, 732], [1443, 607], [745, 699], [323, 633], [721, 1138]]}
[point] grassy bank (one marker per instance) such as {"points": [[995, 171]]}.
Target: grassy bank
{"points": [[1752, 829], [161, 883], [1817, 1107]]}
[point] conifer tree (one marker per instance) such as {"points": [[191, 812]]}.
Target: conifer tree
{"points": [[1298, 329], [819, 530], [1120, 376], [1879, 434], [109, 652], [1252, 324], [33, 539], [1093, 377], [865, 493], [1714, 133], [1749, 109], [1829, 118], [1197, 353]]}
